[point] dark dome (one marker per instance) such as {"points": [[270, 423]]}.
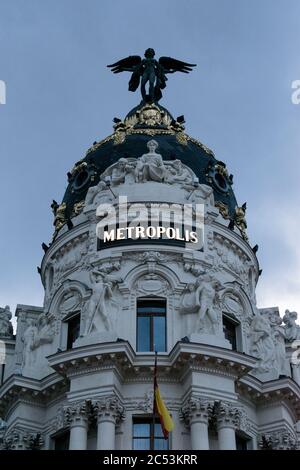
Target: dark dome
{"points": [[129, 139]]}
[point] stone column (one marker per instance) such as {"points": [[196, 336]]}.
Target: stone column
{"points": [[227, 421], [196, 414], [109, 412], [78, 416]]}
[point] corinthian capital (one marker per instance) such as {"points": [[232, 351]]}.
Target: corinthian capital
{"points": [[76, 412], [21, 439], [198, 409], [227, 414], [278, 440], [109, 407]]}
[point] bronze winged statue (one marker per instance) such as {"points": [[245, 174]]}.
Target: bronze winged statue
{"points": [[150, 70]]}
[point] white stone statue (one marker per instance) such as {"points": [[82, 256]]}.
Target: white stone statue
{"points": [[178, 173], [281, 361], [89, 199], [150, 166], [207, 297], [123, 171], [292, 330], [263, 346], [98, 310], [29, 338], [202, 298], [6, 329]]}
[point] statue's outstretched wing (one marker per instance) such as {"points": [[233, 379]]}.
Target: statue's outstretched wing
{"points": [[171, 65], [128, 64]]}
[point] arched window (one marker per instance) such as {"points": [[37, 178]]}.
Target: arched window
{"points": [[151, 324]]}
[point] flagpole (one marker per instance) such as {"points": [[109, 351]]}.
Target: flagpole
{"points": [[154, 402]]}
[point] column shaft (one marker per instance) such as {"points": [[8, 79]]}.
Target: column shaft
{"points": [[78, 435], [226, 436], [199, 435], [106, 433]]}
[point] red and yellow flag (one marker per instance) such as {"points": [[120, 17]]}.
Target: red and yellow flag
{"points": [[159, 407]]}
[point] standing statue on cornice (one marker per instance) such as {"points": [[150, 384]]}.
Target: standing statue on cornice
{"points": [[207, 297], [150, 70], [202, 298], [99, 306], [278, 335], [6, 329], [292, 330], [29, 338], [263, 345]]}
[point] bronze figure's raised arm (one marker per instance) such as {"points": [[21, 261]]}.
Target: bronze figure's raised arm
{"points": [[150, 70]]}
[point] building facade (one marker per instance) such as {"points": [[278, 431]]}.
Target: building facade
{"points": [[78, 374]]}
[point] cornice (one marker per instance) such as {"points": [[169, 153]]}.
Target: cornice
{"points": [[138, 367], [38, 392], [267, 393]]}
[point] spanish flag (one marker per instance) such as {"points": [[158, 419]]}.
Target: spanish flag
{"points": [[159, 408]]}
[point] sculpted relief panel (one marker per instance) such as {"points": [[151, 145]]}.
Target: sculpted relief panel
{"points": [[149, 167], [36, 340], [229, 256], [72, 256]]}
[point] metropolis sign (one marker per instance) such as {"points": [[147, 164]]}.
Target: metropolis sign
{"points": [[123, 223]]}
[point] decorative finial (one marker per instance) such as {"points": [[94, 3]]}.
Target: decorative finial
{"points": [[150, 70]]}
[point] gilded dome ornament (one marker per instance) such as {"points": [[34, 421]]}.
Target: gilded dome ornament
{"points": [[217, 175], [223, 209], [60, 217], [150, 115], [240, 220]]}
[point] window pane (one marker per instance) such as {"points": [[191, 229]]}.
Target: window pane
{"points": [[141, 429], [151, 309], [73, 331], [158, 430], [159, 333], [229, 329], [62, 442], [141, 444], [161, 444], [143, 333]]}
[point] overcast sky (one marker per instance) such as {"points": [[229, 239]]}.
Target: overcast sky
{"points": [[61, 98]]}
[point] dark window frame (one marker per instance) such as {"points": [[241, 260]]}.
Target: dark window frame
{"points": [[70, 318], [242, 441], [61, 439], [152, 315], [2, 374], [235, 324]]}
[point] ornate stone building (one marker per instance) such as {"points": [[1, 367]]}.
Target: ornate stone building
{"points": [[78, 373]]}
